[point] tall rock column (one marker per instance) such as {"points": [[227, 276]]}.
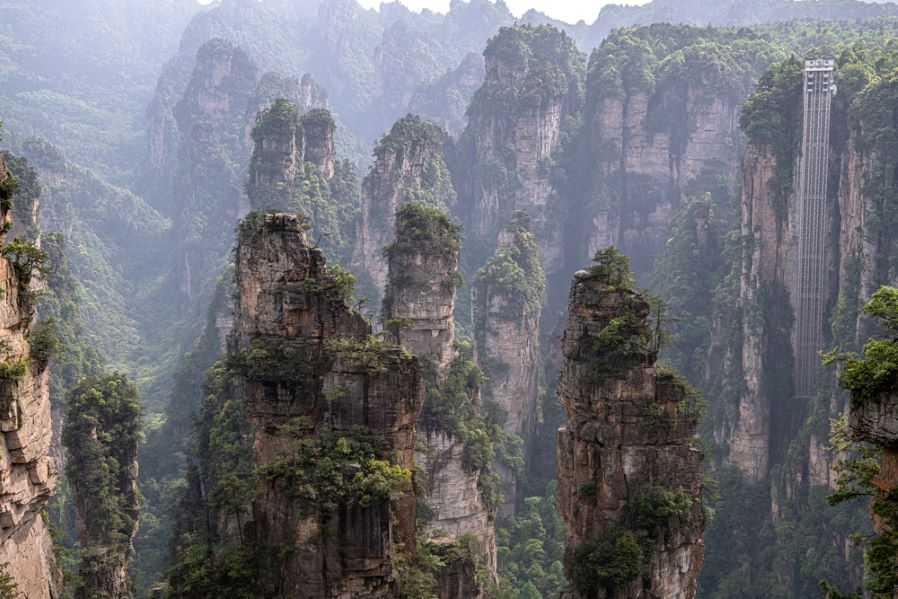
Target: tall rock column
{"points": [[101, 433], [332, 412], [506, 301], [629, 479], [408, 165], [418, 309], [533, 76], [27, 473]]}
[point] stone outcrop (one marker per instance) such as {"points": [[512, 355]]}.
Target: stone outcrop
{"points": [[101, 434], [651, 174], [446, 100], [408, 165], [27, 472], [285, 143], [626, 444], [514, 130], [308, 368], [419, 309], [506, 301]]}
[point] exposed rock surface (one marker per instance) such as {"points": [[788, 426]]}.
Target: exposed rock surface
{"points": [[423, 272], [408, 165], [626, 435], [284, 143], [445, 100], [27, 473], [506, 301], [642, 174], [290, 307], [514, 129]]}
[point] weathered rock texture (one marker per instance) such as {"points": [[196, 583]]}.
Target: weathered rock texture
{"points": [[408, 165], [27, 473], [284, 143], [291, 307], [101, 435], [506, 301], [446, 100], [423, 272], [532, 83], [624, 435]]}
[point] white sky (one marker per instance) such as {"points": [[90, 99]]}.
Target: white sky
{"points": [[565, 10]]}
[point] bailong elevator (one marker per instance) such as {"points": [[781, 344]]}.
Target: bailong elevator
{"points": [[812, 269]]}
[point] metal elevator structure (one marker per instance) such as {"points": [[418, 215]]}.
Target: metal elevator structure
{"points": [[812, 269]]}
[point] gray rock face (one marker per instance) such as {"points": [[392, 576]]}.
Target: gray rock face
{"points": [[408, 165], [27, 471], [290, 304], [423, 270], [627, 432], [876, 421]]}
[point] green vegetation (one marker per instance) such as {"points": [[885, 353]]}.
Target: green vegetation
{"points": [[8, 587], [530, 549], [372, 353], [608, 563], [13, 370], [331, 206], [421, 228], [314, 472], [613, 268], [876, 371], [658, 503], [514, 271], [26, 259], [549, 61], [100, 435], [45, 341]]}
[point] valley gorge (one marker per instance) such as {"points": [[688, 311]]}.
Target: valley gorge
{"points": [[299, 302]]}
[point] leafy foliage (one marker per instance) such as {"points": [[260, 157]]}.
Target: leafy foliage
{"points": [[608, 563], [327, 471]]}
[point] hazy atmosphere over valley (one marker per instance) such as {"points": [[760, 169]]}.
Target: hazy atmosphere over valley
{"points": [[448, 299]]}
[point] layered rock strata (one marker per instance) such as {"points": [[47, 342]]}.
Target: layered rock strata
{"points": [[309, 371], [514, 130], [408, 165], [506, 301], [625, 448], [27, 472], [419, 309]]}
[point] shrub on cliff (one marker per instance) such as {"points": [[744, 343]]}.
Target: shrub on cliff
{"points": [[610, 562]]}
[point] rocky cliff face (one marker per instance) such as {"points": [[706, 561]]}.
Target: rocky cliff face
{"points": [[419, 310], [284, 144], [320, 393], [27, 474], [446, 100], [506, 301], [408, 165], [532, 82], [625, 449], [647, 172], [101, 435]]}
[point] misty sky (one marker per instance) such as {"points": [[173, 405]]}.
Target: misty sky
{"points": [[566, 10]]}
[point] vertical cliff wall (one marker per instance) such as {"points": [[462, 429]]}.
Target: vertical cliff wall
{"points": [[661, 119], [27, 474], [101, 434], [419, 310], [533, 81], [629, 478], [408, 165], [506, 301], [326, 402]]}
